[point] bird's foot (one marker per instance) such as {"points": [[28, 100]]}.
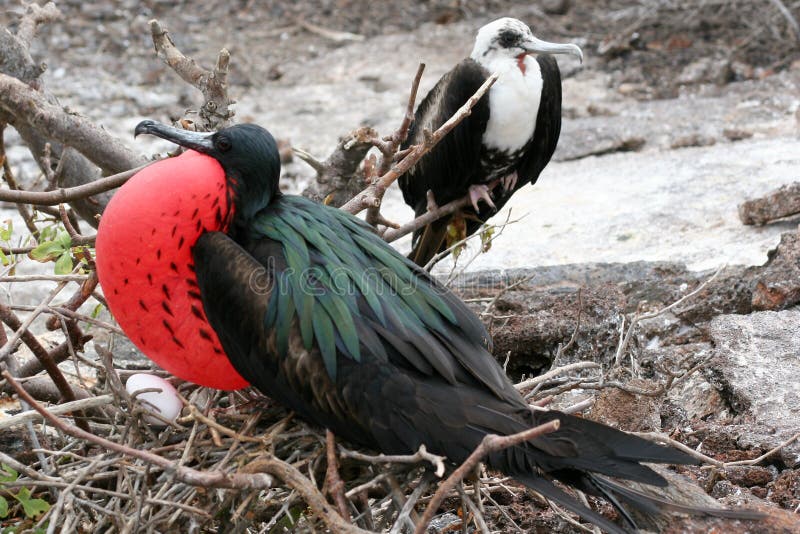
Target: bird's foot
{"points": [[510, 181], [432, 205], [480, 192]]}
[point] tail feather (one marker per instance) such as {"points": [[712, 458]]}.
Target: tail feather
{"points": [[548, 490], [584, 445], [655, 505], [429, 242]]}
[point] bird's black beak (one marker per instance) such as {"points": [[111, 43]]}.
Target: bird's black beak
{"points": [[532, 45], [200, 141]]}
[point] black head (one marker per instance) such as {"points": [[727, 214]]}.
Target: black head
{"points": [[247, 152]]}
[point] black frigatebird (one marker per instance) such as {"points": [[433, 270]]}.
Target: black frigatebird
{"points": [[505, 142], [224, 281]]}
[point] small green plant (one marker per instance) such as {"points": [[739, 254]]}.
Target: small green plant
{"points": [[31, 507], [59, 250]]}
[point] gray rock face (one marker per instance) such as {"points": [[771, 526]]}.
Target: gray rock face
{"points": [[755, 368]]}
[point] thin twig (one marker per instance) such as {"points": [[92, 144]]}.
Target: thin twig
{"points": [[372, 195], [62, 195], [422, 455], [489, 444], [61, 409], [335, 484], [556, 372]]}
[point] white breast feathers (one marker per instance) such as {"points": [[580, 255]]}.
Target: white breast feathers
{"points": [[513, 104]]}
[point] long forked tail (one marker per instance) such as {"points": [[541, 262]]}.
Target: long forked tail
{"points": [[551, 492], [583, 450], [653, 504]]}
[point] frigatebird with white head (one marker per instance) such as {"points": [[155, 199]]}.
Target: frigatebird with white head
{"points": [[505, 142]]}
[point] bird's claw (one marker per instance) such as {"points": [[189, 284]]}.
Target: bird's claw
{"points": [[510, 181], [480, 192]]}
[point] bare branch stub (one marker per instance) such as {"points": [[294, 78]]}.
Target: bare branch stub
{"points": [[338, 179], [215, 111]]}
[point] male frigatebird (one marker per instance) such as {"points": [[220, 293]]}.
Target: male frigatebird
{"points": [[224, 281], [502, 145]]}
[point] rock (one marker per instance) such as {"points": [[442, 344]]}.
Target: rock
{"points": [[774, 205], [596, 142], [626, 411], [706, 70], [737, 134], [556, 7], [755, 369], [785, 491], [698, 398], [777, 286], [726, 488], [749, 475], [694, 139]]}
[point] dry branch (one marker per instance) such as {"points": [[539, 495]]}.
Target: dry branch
{"points": [[24, 104], [782, 202], [489, 444], [334, 481], [16, 62], [256, 475], [215, 111], [372, 196], [337, 178], [70, 194], [34, 17]]}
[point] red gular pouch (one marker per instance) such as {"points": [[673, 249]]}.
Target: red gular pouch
{"points": [[145, 266]]}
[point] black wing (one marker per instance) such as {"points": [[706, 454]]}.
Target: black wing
{"points": [[451, 167]]}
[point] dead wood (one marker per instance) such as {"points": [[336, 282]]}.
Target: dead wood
{"points": [[338, 179], [215, 113]]}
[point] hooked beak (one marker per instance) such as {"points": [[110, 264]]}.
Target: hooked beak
{"points": [[537, 46], [200, 141]]}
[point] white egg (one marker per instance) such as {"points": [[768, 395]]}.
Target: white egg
{"points": [[164, 402]]}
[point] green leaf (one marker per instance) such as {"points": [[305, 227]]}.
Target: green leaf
{"points": [[7, 474], [3, 258], [64, 239], [7, 230], [96, 311], [33, 507], [64, 263], [47, 251], [3, 507]]}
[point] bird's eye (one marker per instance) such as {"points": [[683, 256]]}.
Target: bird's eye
{"points": [[508, 39], [223, 144]]}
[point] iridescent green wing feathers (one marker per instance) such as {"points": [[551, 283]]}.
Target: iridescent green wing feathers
{"points": [[353, 296]]}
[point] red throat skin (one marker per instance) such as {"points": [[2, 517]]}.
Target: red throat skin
{"points": [[521, 62], [145, 265]]}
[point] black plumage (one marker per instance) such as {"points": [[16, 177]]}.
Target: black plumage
{"points": [[319, 313]]}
